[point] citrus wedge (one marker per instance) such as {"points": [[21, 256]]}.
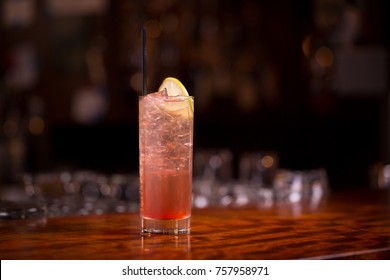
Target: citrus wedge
{"points": [[174, 87]]}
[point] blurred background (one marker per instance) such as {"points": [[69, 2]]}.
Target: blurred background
{"points": [[307, 81]]}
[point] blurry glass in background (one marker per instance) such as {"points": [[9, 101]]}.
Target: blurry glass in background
{"points": [[380, 176], [308, 186], [258, 169], [213, 173], [214, 165], [83, 192], [260, 183], [257, 172]]}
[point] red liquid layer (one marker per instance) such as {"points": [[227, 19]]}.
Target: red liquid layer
{"points": [[166, 194]]}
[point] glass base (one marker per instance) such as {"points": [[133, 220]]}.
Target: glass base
{"points": [[165, 226]]}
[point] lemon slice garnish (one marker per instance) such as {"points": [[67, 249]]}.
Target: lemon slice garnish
{"points": [[174, 87]]}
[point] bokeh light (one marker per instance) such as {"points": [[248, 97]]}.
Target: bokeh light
{"points": [[324, 57]]}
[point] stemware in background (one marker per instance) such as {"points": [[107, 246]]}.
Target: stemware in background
{"points": [[380, 176], [17, 206], [83, 192], [213, 174], [123, 193], [306, 187], [257, 171], [62, 191], [213, 164]]}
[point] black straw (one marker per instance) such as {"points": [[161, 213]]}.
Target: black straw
{"points": [[143, 42]]}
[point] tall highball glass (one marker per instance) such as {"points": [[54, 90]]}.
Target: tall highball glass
{"points": [[166, 125]]}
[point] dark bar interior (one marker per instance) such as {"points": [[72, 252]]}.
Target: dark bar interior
{"points": [[267, 75], [306, 82]]}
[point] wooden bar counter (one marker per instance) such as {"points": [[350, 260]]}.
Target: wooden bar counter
{"points": [[350, 225]]}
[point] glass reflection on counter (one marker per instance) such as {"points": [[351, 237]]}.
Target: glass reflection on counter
{"points": [[157, 245]]}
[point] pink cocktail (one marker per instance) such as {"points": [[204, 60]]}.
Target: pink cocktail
{"points": [[165, 141]]}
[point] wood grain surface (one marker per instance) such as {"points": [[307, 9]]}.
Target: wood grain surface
{"points": [[346, 226]]}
